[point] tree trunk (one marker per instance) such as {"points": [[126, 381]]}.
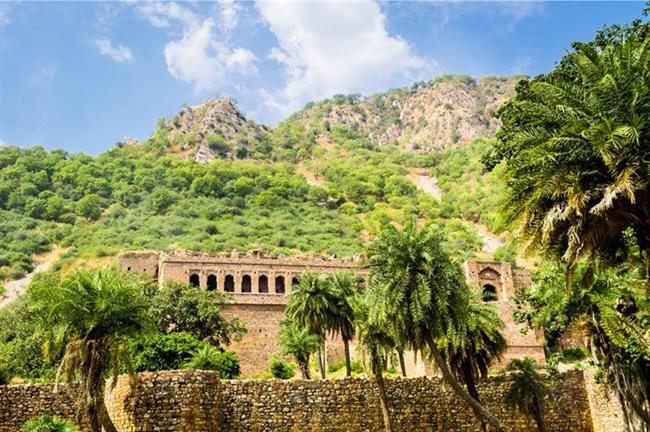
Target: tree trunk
{"points": [[402, 364], [303, 365], [104, 418], [321, 365], [478, 409], [383, 399], [348, 366], [470, 383], [539, 419]]}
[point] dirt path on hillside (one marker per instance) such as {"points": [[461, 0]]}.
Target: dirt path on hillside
{"points": [[16, 288], [490, 241], [311, 178], [426, 183]]}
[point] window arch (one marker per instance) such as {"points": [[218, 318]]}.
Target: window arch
{"points": [[263, 284], [195, 281], [489, 293], [229, 284], [246, 284], [279, 285], [295, 281], [212, 282]]}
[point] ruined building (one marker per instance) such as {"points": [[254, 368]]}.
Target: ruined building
{"points": [[258, 288]]}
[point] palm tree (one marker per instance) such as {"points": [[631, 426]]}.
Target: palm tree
{"points": [[527, 389], [376, 343], [574, 143], [299, 343], [313, 305], [478, 348], [422, 294], [95, 311], [343, 286]]}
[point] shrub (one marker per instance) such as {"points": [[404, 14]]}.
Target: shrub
{"points": [[158, 351], [211, 358], [280, 368], [48, 423]]}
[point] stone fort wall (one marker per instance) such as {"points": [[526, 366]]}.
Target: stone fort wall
{"points": [[258, 287], [196, 401]]}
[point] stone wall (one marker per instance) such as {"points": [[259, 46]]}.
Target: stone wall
{"points": [[198, 402]]}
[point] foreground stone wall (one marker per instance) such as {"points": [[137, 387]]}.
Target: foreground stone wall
{"points": [[419, 404], [198, 402]]}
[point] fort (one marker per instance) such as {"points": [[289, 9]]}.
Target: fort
{"points": [[258, 287]]}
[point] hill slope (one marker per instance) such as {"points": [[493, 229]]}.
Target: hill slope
{"points": [[325, 180]]}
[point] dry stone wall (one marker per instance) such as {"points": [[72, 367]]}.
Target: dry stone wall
{"points": [[197, 401]]}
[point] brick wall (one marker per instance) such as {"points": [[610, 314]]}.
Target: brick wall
{"points": [[198, 401]]}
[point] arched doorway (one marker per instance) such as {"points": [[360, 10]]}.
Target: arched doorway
{"points": [[246, 284], [279, 285], [489, 293], [263, 284], [212, 282], [229, 284], [195, 281]]}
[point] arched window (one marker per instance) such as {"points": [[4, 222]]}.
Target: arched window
{"points": [[246, 284], [279, 285], [194, 280], [212, 282], [294, 282], [229, 284], [489, 293], [263, 284]]}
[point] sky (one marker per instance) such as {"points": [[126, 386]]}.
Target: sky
{"points": [[84, 75]]}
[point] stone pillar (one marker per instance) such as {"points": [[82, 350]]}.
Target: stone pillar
{"points": [[255, 281], [221, 281], [237, 275]]}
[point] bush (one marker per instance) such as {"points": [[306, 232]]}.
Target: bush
{"points": [[280, 368], [159, 351], [48, 423], [211, 358]]}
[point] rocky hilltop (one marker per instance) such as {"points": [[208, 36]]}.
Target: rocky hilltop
{"points": [[213, 129], [448, 111]]}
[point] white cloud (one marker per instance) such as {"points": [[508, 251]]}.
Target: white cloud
{"points": [[4, 15], [200, 58], [202, 55], [164, 14], [119, 53], [334, 47], [3, 143], [229, 15], [42, 76]]}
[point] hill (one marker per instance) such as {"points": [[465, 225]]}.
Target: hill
{"points": [[209, 179]]}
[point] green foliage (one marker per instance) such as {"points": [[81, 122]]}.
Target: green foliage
{"points": [[158, 351], [356, 366], [90, 206], [280, 368], [211, 358], [527, 389], [183, 308], [507, 253], [48, 423], [299, 343]]}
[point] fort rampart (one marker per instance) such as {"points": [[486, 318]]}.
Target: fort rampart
{"points": [[197, 401]]}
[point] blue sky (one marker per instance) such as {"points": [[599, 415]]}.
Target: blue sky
{"points": [[82, 76]]}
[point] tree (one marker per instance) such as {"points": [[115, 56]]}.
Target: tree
{"points": [[211, 358], [422, 295], [312, 305], [472, 354], [94, 311], [343, 287], [527, 390], [90, 206], [181, 307], [574, 146], [299, 343], [376, 342]]}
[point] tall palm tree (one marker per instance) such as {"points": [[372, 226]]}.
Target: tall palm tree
{"points": [[343, 286], [422, 294], [527, 389], [312, 305], [95, 311], [376, 343], [299, 343], [478, 348]]}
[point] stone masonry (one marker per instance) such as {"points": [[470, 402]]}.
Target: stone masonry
{"points": [[258, 287], [196, 401]]}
